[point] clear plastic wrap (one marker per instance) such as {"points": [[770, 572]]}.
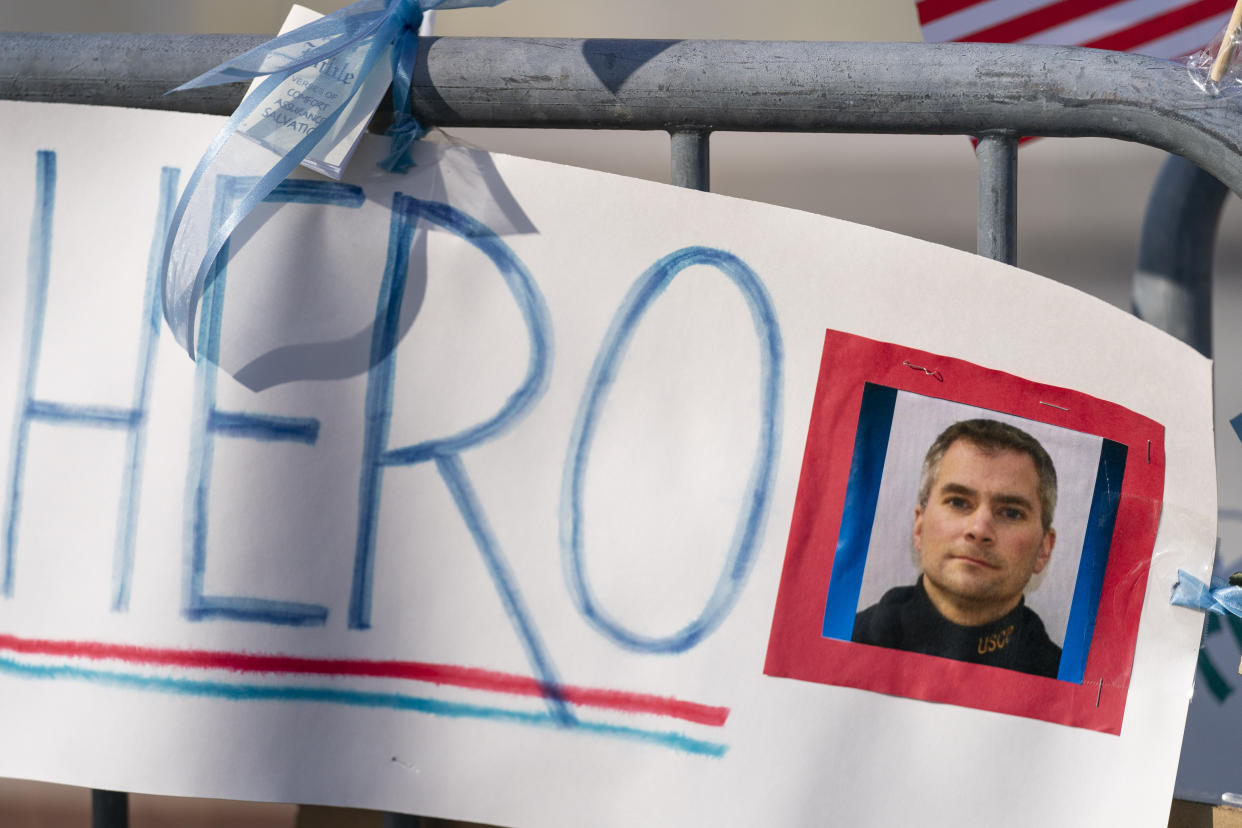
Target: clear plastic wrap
{"points": [[1216, 68]]}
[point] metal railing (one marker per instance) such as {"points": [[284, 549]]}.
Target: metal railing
{"points": [[691, 88]]}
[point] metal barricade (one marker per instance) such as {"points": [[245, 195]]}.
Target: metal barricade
{"points": [[692, 88]]}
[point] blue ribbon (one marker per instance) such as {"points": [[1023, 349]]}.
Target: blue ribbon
{"points": [[355, 37], [1220, 598]]}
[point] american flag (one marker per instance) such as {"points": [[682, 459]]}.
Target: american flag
{"points": [[1158, 28]]}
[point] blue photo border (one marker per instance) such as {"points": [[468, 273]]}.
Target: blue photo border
{"points": [[875, 422]]}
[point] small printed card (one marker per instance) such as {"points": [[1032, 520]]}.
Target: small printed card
{"points": [[310, 96]]}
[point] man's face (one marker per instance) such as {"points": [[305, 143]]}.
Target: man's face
{"points": [[980, 538]]}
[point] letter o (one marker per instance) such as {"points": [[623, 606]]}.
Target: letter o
{"points": [[737, 566]]}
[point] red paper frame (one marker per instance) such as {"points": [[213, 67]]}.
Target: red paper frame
{"points": [[797, 649]]}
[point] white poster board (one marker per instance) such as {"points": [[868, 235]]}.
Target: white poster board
{"points": [[511, 551]]}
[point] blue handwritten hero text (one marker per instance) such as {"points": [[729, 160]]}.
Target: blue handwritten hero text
{"points": [[211, 423]]}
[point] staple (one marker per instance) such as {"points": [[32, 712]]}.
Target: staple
{"points": [[929, 371], [1149, 451], [1054, 405], [1099, 691]]}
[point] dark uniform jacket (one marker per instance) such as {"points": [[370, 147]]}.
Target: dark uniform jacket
{"points": [[906, 619]]}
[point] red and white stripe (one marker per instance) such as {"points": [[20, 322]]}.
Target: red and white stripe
{"points": [[1159, 28]]}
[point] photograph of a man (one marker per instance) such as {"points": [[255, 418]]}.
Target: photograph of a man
{"points": [[982, 530]]}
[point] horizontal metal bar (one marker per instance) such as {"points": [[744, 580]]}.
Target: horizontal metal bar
{"points": [[682, 85], [133, 70]]}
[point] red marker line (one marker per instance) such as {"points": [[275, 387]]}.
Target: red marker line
{"points": [[447, 674]]}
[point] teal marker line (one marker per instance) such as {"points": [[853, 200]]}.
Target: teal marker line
{"points": [[357, 698]]}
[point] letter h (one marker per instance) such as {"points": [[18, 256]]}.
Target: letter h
{"points": [[31, 409]]}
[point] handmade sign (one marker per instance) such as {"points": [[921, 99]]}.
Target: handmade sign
{"points": [[531, 495]]}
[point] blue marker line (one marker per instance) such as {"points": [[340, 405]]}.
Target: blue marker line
{"points": [[746, 534], [305, 191], [378, 406], [263, 610], [445, 452], [100, 415], [209, 422], [264, 427], [38, 267], [356, 698], [202, 455], [135, 444], [454, 475]]}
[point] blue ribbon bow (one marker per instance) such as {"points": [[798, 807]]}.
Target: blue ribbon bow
{"points": [[1220, 598], [354, 38]]}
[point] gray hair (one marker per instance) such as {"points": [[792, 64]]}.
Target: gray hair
{"points": [[992, 436]]}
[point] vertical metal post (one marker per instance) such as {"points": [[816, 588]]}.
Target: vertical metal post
{"points": [[691, 162], [997, 156], [109, 809], [1173, 281]]}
